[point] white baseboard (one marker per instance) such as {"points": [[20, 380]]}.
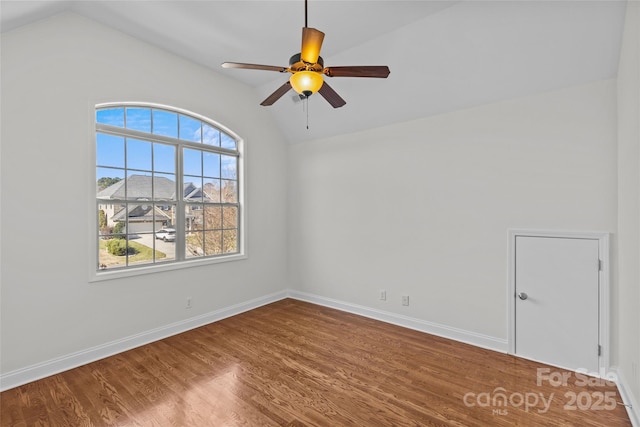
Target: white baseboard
{"points": [[631, 402], [478, 340], [50, 367]]}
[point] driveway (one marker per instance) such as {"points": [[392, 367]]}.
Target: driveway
{"points": [[168, 248]]}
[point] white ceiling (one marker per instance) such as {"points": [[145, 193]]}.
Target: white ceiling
{"points": [[443, 55]]}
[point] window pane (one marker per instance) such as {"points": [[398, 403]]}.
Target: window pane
{"points": [[230, 241], [138, 187], [192, 162], [194, 217], [164, 237], [229, 191], [164, 186], [106, 220], [213, 242], [213, 217], [139, 119], [138, 154], [144, 248], [211, 191], [211, 164], [111, 229], [165, 123], [194, 244], [109, 150], [190, 129], [230, 217], [229, 167], [210, 135], [105, 258], [140, 217], [165, 216], [227, 142], [138, 254], [192, 188], [111, 116], [164, 158], [106, 180]]}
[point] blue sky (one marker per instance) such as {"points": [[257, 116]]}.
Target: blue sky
{"points": [[110, 149], [166, 123]]}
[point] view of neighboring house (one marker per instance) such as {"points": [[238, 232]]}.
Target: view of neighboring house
{"points": [[141, 218], [145, 217]]}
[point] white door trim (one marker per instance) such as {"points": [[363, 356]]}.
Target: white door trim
{"points": [[604, 294]]}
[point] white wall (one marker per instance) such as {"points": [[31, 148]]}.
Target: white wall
{"points": [[420, 208], [628, 300], [53, 73], [423, 208]]}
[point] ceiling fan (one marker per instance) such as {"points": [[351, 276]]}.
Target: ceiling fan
{"points": [[307, 70]]}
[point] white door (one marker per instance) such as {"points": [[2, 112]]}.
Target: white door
{"points": [[557, 301]]}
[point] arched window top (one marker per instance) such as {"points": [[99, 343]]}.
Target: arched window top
{"points": [[166, 122]]}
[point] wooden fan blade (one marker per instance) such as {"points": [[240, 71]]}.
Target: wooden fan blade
{"points": [[331, 96], [379, 71], [277, 94], [311, 44], [253, 66]]}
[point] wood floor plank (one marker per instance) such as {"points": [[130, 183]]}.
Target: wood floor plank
{"points": [[297, 364]]}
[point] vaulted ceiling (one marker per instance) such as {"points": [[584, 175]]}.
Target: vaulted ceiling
{"points": [[443, 55]]}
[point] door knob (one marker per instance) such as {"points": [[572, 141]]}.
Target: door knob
{"points": [[523, 296]]}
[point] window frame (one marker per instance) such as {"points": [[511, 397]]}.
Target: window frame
{"points": [[96, 274]]}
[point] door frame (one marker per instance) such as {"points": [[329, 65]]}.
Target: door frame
{"points": [[603, 294]]}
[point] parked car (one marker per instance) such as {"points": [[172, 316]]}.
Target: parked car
{"points": [[166, 234]]}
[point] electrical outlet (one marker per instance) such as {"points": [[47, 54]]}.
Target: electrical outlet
{"points": [[188, 303], [405, 299], [383, 295]]}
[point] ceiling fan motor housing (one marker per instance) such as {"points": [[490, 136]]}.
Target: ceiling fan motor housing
{"points": [[297, 64]]}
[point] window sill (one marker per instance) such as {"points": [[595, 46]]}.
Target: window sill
{"points": [[104, 275]]}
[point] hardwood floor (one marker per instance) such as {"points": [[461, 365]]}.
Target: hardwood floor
{"points": [[292, 363]]}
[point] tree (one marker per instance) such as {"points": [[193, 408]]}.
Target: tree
{"points": [[102, 219], [214, 229], [106, 181], [118, 228]]}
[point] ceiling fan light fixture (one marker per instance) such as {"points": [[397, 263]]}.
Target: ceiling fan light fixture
{"points": [[306, 82]]}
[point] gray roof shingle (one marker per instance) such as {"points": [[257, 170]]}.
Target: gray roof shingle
{"points": [[139, 187]]}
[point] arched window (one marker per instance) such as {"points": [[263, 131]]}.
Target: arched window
{"points": [[167, 188]]}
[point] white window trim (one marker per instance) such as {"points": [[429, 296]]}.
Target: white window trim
{"points": [[105, 275]]}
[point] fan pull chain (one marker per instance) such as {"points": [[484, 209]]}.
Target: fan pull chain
{"points": [[305, 107], [307, 101]]}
